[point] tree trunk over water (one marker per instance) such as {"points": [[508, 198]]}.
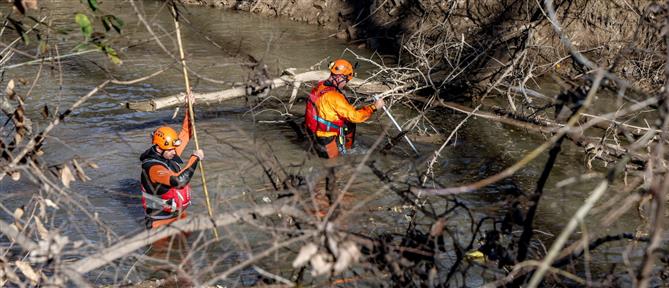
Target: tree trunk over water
{"points": [[233, 93]]}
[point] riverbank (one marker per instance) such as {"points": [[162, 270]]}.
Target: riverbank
{"points": [[486, 35]]}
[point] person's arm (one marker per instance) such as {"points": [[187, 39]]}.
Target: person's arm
{"points": [[160, 174], [185, 133], [347, 111]]}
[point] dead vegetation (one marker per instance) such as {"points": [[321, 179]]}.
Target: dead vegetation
{"points": [[483, 59]]}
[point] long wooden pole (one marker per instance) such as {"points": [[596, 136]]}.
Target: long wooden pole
{"points": [[192, 115]]}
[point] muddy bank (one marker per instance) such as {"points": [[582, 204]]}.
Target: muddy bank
{"points": [[482, 38]]}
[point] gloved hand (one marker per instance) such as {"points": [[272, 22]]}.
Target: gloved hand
{"points": [[199, 153], [378, 104]]}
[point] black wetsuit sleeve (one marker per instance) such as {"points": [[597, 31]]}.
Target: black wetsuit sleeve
{"points": [[183, 177]]}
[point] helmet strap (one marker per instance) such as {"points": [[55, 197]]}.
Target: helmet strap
{"points": [[338, 78]]}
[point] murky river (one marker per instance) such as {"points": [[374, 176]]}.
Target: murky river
{"points": [[104, 131]]}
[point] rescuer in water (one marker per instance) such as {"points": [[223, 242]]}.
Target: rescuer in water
{"points": [[165, 179], [329, 117]]}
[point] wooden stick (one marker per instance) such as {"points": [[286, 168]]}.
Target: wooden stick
{"points": [[192, 115]]}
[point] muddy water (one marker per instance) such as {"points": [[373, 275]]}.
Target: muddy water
{"points": [[103, 131]]}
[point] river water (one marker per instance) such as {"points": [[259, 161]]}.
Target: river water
{"points": [[102, 130]]}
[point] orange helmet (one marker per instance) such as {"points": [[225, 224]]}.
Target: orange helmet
{"points": [[166, 138], [342, 67]]}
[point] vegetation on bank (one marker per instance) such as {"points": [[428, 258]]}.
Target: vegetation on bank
{"points": [[479, 58]]}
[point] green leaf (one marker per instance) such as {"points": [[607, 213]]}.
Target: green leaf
{"points": [[84, 24], [25, 38], [117, 23], [93, 4], [42, 48], [106, 22], [114, 58], [111, 53], [111, 21]]}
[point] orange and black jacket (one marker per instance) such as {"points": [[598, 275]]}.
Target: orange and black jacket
{"points": [[158, 179], [333, 106]]}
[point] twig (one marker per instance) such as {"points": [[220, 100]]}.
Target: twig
{"points": [[263, 272], [40, 137], [258, 256], [510, 170], [566, 232], [437, 153]]}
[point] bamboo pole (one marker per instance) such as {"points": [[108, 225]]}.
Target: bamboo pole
{"points": [[192, 115]]}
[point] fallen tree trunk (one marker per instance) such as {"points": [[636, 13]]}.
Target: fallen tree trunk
{"points": [[197, 223], [287, 79]]}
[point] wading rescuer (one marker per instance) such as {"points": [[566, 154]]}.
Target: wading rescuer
{"points": [[166, 191], [329, 117]]}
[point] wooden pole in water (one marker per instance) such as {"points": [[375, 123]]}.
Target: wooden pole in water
{"points": [[190, 111]]}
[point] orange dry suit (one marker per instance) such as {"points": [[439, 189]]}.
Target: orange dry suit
{"points": [[165, 183], [330, 118]]}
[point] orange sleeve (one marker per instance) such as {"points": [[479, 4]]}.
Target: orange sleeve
{"points": [[184, 134], [347, 111], [160, 174]]}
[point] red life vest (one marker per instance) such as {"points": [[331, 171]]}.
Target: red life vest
{"points": [[172, 201], [311, 118]]}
